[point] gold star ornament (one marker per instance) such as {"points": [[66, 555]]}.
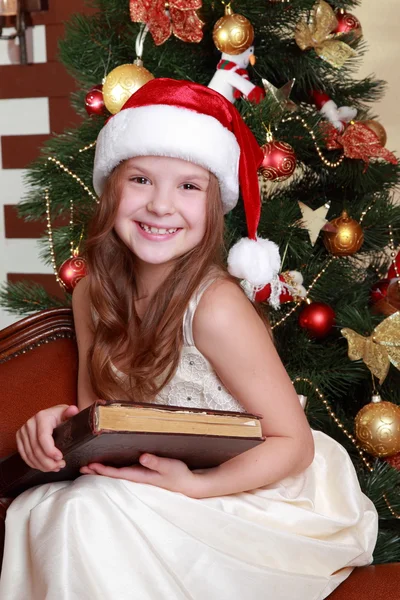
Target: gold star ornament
{"points": [[281, 95]]}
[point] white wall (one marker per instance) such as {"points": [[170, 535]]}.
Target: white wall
{"points": [[379, 18], [380, 21], [22, 116]]}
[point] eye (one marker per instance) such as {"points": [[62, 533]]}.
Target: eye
{"points": [[189, 186], [140, 180]]}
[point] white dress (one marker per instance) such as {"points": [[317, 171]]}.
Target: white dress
{"points": [[99, 538]]}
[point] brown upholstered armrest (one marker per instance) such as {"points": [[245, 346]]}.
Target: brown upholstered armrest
{"points": [[379, 582], [38, 368]]}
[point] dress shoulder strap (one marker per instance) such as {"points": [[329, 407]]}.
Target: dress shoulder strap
{"points": [[191, 309]]}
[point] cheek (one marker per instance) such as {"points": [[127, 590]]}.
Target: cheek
{"points": [[196, 216]]}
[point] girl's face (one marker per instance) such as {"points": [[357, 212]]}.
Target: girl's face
{"points": [[162, 210]]}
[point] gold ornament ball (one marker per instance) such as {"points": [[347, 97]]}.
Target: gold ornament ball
{"points": [[378, 428], [122, 82], [378, 129], [347, 238], [233, 33]]}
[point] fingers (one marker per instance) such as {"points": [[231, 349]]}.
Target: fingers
{"points": [[136, 473], [35, 441], [69, 412], [23, 448], [87, 471], [44, 436], [158, 463]]}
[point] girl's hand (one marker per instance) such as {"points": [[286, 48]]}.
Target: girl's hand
{"points": [[167, 473], [35, 441]]}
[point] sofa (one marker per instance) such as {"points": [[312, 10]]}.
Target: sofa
{"points": [[38, 369]]}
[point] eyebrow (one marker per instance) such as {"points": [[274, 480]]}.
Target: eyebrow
{"points": [[191, 176], [194, 176]]}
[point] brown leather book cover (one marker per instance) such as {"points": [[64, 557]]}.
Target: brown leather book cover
{"points": [[81, 442]]}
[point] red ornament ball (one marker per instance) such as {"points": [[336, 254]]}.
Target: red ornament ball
{"points": [[348, 23], [279, 161], [94, 101], [317, 319], [379, 290], [71, 271]]}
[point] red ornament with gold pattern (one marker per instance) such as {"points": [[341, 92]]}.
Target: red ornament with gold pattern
{"points": [[348, 23], [279, 161], [71, 271], [317, 319]]}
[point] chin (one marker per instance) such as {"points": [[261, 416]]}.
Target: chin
{"points": [[151, 259]]}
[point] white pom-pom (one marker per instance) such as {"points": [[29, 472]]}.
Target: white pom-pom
{"points": [[330, 111], [338, 125], [296, 276], [347, 114], [256, 261], [301, 291]]}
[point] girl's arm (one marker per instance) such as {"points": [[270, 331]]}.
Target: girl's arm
{"points": [[230, 334], [84, 336]]}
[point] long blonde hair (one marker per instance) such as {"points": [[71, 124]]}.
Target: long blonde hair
{"points": [[152, 344]]}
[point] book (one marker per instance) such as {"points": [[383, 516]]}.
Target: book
{"points": [[116, 434]]}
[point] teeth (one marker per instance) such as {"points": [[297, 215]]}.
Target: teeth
{"points": [[160, 231]]}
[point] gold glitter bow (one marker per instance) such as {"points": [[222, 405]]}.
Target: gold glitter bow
{"points": [[319, 34], [379, 349]]}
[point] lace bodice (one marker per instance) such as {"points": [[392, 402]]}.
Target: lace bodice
{"points": [[195, 384]]}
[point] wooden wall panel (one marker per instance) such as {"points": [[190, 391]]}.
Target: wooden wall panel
{"points": [[60, 11], [54, 33], [16, 227], [18, 151], [62, 115], [49, 282], [38, 80]]}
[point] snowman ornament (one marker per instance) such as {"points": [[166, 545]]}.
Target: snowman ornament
{"points": [[232, 80], [233, 36]]}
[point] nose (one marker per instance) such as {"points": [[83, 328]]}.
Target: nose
{"points": [[252, 59], [161, 202]]}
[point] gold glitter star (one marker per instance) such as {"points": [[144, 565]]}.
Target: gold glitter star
{"points": [[281, 95]]}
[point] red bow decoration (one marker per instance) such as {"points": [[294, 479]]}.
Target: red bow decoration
{"points": [[357, 141], [163, 18]]}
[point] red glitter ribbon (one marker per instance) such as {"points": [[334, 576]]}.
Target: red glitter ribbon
{"points": [[358, 142], [177, 17]]}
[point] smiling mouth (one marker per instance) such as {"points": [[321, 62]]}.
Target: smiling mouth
{"points": [[157, 230]]}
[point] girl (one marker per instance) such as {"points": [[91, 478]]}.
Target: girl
{"points": [[159, 319]]}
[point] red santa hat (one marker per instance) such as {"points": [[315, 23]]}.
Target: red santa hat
{"points": [[186, 120]]}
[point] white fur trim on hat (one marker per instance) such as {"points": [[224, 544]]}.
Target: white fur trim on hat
{"points": [[163, 130], [257, 261]]}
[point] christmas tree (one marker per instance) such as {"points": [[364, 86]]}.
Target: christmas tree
{"points": [[327, 185]]}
